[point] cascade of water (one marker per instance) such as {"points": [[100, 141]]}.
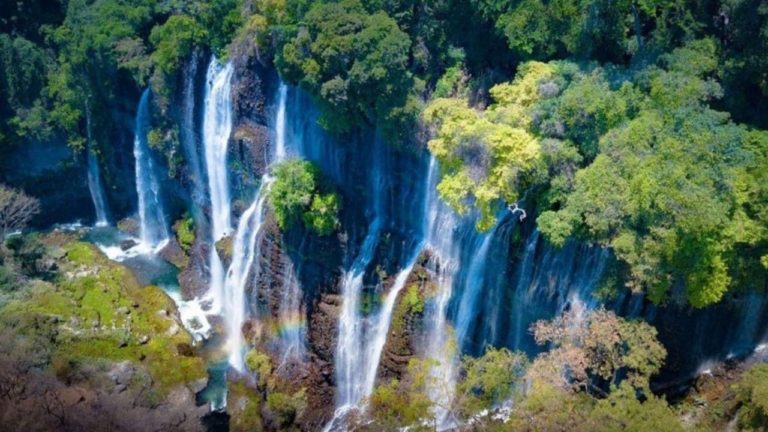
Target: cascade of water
{"points": [[280, 126], [217, 126], [94, 176], [444, 239], [374, 345], [153, 226], [290, 312], [291, 318], [473, 286], [547, 280], [349, 368], [244, 252], [189, 138]]}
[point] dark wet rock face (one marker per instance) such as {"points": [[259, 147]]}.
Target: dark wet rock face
{"points": [[298, 263], [193, 278], [252, 87]]}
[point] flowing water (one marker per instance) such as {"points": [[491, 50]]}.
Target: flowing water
{"points": [[152, 221], [189, 137], [280, 123], [217, 127], [94, 177], [243, 254], [490, 286]]}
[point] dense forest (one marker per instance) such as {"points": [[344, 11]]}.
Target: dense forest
{"points": [[520, 215]]}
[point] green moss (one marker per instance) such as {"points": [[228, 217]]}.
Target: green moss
{"points": [[285, 407], [413, 300], [243, 406], [81, 253], [102, 313], [410, 303], [259, 362], [185, 232]]}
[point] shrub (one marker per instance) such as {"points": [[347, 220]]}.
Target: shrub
{"points": [[185, 233], [298, 193], [16, 210]]}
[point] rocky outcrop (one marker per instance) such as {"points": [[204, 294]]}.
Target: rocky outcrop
{"points": [[403, 340], [303, 265], [252, 87], [193, 279]]}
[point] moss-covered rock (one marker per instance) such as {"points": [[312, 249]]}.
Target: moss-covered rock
{"points": [[244, 407], [102, 313]]}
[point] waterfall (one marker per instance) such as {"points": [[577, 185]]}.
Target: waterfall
{"points": [[291, 317], [244, 252], [234, 305], [189, 137], [94, 175], [474, 285], [217, 127], [280, 127], [350, 368], [153, 225], [444, 241], [290, 312], [381, 323]]}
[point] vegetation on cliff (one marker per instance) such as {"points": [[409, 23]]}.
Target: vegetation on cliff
{"points": [[299, 193], [635, 125]]}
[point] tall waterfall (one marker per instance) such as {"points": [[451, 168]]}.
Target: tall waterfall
{"points": [[189, 136], [280, 125], [244, 252], [153, 225], [217, 127], [94, 176], [233, 301], [374, 344], [350, 367], [444, 239]]}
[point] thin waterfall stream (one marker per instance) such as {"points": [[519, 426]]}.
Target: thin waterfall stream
{"points": [[95, 185], [153, 227]]}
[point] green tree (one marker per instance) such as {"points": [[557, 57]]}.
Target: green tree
{"points": [[354, 63], [298, 193], [485, 157]]}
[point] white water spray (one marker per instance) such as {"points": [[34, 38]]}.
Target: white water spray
{"points": [[244, 252], [217, 127]]}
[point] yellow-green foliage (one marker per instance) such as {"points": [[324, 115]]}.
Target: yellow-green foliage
{"points": [[103, 313], [398, 404], [286, 407], [514, 100], [185, 233], [260, 363], [485, 156], [413, 300], [752, 391], [243, 407]]}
